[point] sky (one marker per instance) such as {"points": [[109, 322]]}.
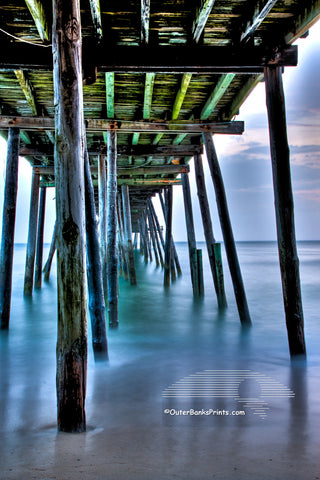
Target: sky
{"points": [[245, 164]]}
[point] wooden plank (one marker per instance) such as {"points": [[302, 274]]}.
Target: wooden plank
{"points": [[233, 108], [155, 59], [288, 256], [145, 19], [148, 91], [39, 251], [96, 18], [260, 11], [109, 79], [32, 234], [227, 232], [181, 95], [156, 170], [112, 257], [217, 93], [308, 15], [27, 90], [8, 226], [201, 19], [94, 271], [69, 175], [125, 150], [37, 11], [101, 125]]}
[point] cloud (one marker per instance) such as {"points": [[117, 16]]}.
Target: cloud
{"points": [[310, 195]]}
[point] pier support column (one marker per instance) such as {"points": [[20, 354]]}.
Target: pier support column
{"points": [[94, 271], [112, 256], [289, 262], [194, 265], [39, 252], [215, 261], [8, 226], [32, 234], [168, 249], [128, 234], [69, 180], [226, 228], [175, 258], [47, 267], [102, 188]]}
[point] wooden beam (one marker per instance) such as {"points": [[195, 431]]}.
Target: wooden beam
{"points": [[307, 17], [27, 90], [181, 95], [124, 150], [141, 182], [153, 170], [164, 59], [101, 125], [145, 18], [109, 77], [37, 11], [96, 18], [148, 91], [245, 91], [288, 256], [201, 19], [69, 175], [260, 11], [216, 95]]}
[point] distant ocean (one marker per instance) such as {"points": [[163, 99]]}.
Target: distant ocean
{"points": [[166, 344]]}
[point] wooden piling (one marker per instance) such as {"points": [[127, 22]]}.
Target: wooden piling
{"points": [[152, 236], [69, 182], [39, 251], [32, 234], [8, 226], [176, 258], [200, 273], [284, 207], [190, 233], [47, 267], [112, 256], [102, 189], [167, 256], [128, 234], [94, 271], [215, 263], [155, 235], [226, 228]]}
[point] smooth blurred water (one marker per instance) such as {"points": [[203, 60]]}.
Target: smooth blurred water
{"points": [[165, 335]]}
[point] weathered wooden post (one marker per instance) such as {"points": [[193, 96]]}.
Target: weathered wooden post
{"points": [[176, 259], [112, 256], [147, 236], [32, 234], [94, 271], [39, 251], [69, 180], [167, 256], [191, 234], [8, 226], [215, 261], [122, 252], [135, 240], [47, 267], [226, 228], [102, 189], [128, 233], [289, 262], [154, 236]]}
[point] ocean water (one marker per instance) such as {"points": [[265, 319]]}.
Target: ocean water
{"points": [[170, 354]]}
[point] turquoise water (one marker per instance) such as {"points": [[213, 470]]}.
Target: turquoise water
{"points": [[166, 337]]}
